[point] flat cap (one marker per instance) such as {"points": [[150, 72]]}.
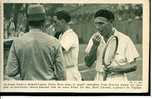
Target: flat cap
{"points": [[36, 12]]}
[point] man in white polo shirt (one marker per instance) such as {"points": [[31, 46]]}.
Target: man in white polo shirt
{"points": [[125, 58], [70, 45]]}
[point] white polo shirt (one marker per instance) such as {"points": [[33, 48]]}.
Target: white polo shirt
{"points": [[69, 41], [126, 53]]}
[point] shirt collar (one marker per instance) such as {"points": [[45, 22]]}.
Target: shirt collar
{"points": [[116, 32], [35, 30], [68, 30]]}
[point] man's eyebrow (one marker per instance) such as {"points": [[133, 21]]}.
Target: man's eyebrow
{"points": [[100, 22]]}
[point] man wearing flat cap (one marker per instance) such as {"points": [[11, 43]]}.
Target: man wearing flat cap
{"points": [[35, 55]]}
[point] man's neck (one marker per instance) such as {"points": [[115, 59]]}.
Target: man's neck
{"points": [[67, 27], [35, 29], [106, 37]]}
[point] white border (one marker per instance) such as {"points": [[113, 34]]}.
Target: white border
{"points": [[145, 43], [73, 1]]}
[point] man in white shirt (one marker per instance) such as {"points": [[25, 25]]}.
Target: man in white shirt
{"points": [[70, 45], [125, 58]]}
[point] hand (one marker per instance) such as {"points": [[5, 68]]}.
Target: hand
{"points": [[105, 73], [106, 69], [114, 69], [96, 39]]}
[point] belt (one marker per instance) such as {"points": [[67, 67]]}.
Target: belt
{"points": [[69, 66], [114, 74]]}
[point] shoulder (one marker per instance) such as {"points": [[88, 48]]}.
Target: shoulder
{"points": [[69, 35], [51, 38], [70, 32], [123, 36], [52, 41], [48, 38]]}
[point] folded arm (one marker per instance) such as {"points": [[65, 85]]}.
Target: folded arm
{"points": [[92, 54], [129, 67]]}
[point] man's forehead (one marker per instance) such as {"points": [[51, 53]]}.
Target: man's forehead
{"points": [[101, 19]]}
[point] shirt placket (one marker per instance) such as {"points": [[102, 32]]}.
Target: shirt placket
{"points": [[99, 64]]}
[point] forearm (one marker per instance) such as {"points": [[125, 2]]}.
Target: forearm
{"points": [[130, 67], [127, 68], [91, 56]]}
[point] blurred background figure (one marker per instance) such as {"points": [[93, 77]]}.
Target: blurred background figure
{"points": [[21, 31], [11, 28]]}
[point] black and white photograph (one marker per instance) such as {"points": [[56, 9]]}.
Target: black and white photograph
{"points": [[95, 40], [75, 42]]}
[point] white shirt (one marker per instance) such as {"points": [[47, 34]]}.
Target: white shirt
{"points": [[126, 53], [69, 41]]}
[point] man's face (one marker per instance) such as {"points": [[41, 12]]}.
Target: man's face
{"points": [[103, 25], [58, 24]]}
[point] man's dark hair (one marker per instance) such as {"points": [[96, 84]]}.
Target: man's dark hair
{"points": [[106, 14], [36, 23], [63, 15]]}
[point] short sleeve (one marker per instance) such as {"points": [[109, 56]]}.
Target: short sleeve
{"points": [[67, 41], [131, 51]]}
